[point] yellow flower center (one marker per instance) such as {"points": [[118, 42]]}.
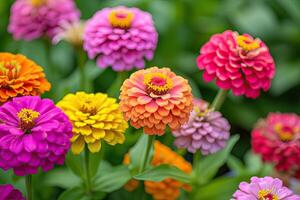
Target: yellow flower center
{"points": [[267, 195], [10, 69], [158, 83], [88, 106], [121, 18], [27, 119], [285, 133], [201, 113], [247, 44], [37, 3]]}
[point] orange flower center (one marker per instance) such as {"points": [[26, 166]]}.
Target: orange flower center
{"points": [[27, 119], [10, 69], [121, 18], [267, 195], [285, 133], [246, 43], [158, 83], [37, 3]]}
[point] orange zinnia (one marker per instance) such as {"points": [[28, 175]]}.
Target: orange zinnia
{"points": [[168, 189], [20, 76]]}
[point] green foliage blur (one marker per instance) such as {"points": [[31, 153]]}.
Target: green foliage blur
{"points": [[183, 26]]}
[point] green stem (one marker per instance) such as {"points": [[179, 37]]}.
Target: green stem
{"points": [[81, 66], [196, 164], [114, 90], [146, 159], [29, 189], [87, 169], [219, 99]]}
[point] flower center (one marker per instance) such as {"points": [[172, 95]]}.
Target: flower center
{"points": [[247, 44], [10, 69], [37, 3], [267, 195], [88, 106], [158, 83], [27, 119], [285, 133], [121, 18]]}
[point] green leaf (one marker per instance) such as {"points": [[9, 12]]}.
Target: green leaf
{"points": [[162, 172], [114, 180], [210, 165], [75, 163], [63, 178], [72, 194], [235, 165], [95, 159], [253, 162]]}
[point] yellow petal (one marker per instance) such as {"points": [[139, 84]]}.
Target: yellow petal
{"points": [[77, 146], [98, 133], [86, 130], [95, 147]]}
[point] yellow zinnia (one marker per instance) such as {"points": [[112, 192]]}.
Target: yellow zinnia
{"points": [[95, 117]]}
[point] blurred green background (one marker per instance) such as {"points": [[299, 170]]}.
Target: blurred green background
{"points": [[183, 26]]}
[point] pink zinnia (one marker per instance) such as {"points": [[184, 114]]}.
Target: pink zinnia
{"points": [[277, 140], [206, 130], [9, 193], [31, 19], [120, 37], [237, 62], [266, 188], [33, 133]]}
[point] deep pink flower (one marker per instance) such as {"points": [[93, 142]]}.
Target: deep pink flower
{"points": [[266, 188], [120, 37], [9, 193], [206, 130], [31, 19], [237, 62], [33, 133], [277, 140]]}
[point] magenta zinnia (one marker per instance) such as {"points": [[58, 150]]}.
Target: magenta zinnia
{"points": [[237, 62], [31, 19], [120, 37], [266, 188], [33, 133], [9, 193]]}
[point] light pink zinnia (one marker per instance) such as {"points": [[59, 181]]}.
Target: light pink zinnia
{"points": [[32, 19], [206, 130], [237, 62], [266, 188], [33, 133], [120, 37]]}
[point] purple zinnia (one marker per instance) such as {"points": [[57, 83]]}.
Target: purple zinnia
{"points": [[266, 188], [9, 193], [120, 37], [206, 130], [33, 133], [31, 19]]}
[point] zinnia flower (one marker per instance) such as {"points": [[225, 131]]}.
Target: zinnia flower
{"points": [[167, 189], [9, 193], [120, 37], [154, 98], [277, 140], [206, 130], [33, 133], [266, 188], [237, 62], [20, 76], [31, 19], [95, 117]]}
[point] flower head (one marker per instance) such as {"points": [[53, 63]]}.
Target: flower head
{"points": [[154, 98], [9, 193], [31, 19], [167, 189], [277, 140], [206, 130], [237, 62], [266, 188], [20, 76], [95, 117], [120, 37], [33, 133]]}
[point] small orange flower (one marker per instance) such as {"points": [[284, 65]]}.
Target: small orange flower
{"points": [[167, 189], [154, 98], [20, 76]]}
